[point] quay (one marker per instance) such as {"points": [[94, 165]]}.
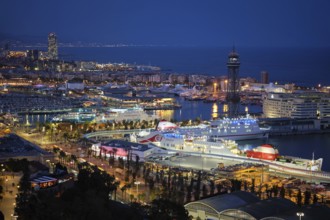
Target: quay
{"points": [[45, 111], [317, 176]]}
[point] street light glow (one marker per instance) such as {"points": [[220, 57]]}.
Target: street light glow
{"points": [[137, 187], [300, 214]]}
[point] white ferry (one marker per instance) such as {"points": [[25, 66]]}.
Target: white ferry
{"points": [[179, 142], [232, 129], [130, 114], [75, 117], [237, 129], [175, 141]]}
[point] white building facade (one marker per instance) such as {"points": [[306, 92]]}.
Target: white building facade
{"points": [[296, 105]]}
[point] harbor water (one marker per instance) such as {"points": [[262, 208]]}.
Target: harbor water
{"points": [[303, 146]]}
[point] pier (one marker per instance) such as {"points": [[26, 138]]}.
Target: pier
{"points": [[316, 176]]}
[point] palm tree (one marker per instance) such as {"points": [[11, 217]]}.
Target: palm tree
{"points": [[74, 159], [116, 185], [115, 150], [65, 136], [123, 189], [62, 155], [56, 149]]}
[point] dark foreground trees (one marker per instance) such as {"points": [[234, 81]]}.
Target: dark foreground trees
{"points": [[91, 197]]}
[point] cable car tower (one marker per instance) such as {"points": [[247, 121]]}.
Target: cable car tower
{"points": [[232, 95]]}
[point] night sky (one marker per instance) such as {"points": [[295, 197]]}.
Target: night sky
{"points": [[296, 23]]}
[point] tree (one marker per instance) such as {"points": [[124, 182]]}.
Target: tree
{"points": [[282, 192], [62, 155], [212, 187], [299, 198], [315, 199], [164, 209], [308, 196], [204, 191], [253, 186], [219, 188], [74, 158], [131, 197], [123, 189]]}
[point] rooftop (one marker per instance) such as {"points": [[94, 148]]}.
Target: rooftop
{"points": [[126, 144], [12, 145]]}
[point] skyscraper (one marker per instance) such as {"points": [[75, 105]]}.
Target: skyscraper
{"points": [[264, 77], [232, 97], [52, 46]]}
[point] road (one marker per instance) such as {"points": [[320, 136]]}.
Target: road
{"points": [[8, 202], [81, 152]]}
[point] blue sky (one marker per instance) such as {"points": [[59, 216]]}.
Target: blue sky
{"points": [[280, 23]]}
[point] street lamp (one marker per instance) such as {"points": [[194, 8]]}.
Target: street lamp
{"points": [[300, 214], [6, 184], [137, 183]]}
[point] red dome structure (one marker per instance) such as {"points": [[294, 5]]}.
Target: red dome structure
{"points": [[264, 152]]}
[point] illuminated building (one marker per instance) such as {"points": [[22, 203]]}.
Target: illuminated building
{"points": [[52, 47], [75, 84], [32, 55], [296, 105]]}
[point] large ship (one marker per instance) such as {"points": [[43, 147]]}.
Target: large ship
{"points": [[228, 129], [173, 140], [76, 116], [179, 142], [264, 152], [128, 114], [267, 152], [237, 129]]}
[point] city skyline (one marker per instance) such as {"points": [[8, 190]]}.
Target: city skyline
{"points": [[215, 23]]}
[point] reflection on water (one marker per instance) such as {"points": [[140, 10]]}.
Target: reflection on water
{"points": [[225, 108], [165, 114], [206, 111], [214, 110], [190, 111], [34, 119]]}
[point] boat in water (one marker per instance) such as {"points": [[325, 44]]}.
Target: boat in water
{"points": [[269, 153], [76, 116], [170, 137], [264, 152], [178, 142], [128, 114], [218, 130], [244, 128]]}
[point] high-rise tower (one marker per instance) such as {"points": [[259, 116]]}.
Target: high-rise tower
{"points": [[52, 46], [264, 77], [232, 97]]}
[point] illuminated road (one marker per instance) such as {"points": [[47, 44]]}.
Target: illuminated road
{"points": [[8, 202]]}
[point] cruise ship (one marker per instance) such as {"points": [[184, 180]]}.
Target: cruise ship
{"points": [[75, 117], [130, 114], [237, 129], [232, 129], [175, 141], [266, 154]]}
